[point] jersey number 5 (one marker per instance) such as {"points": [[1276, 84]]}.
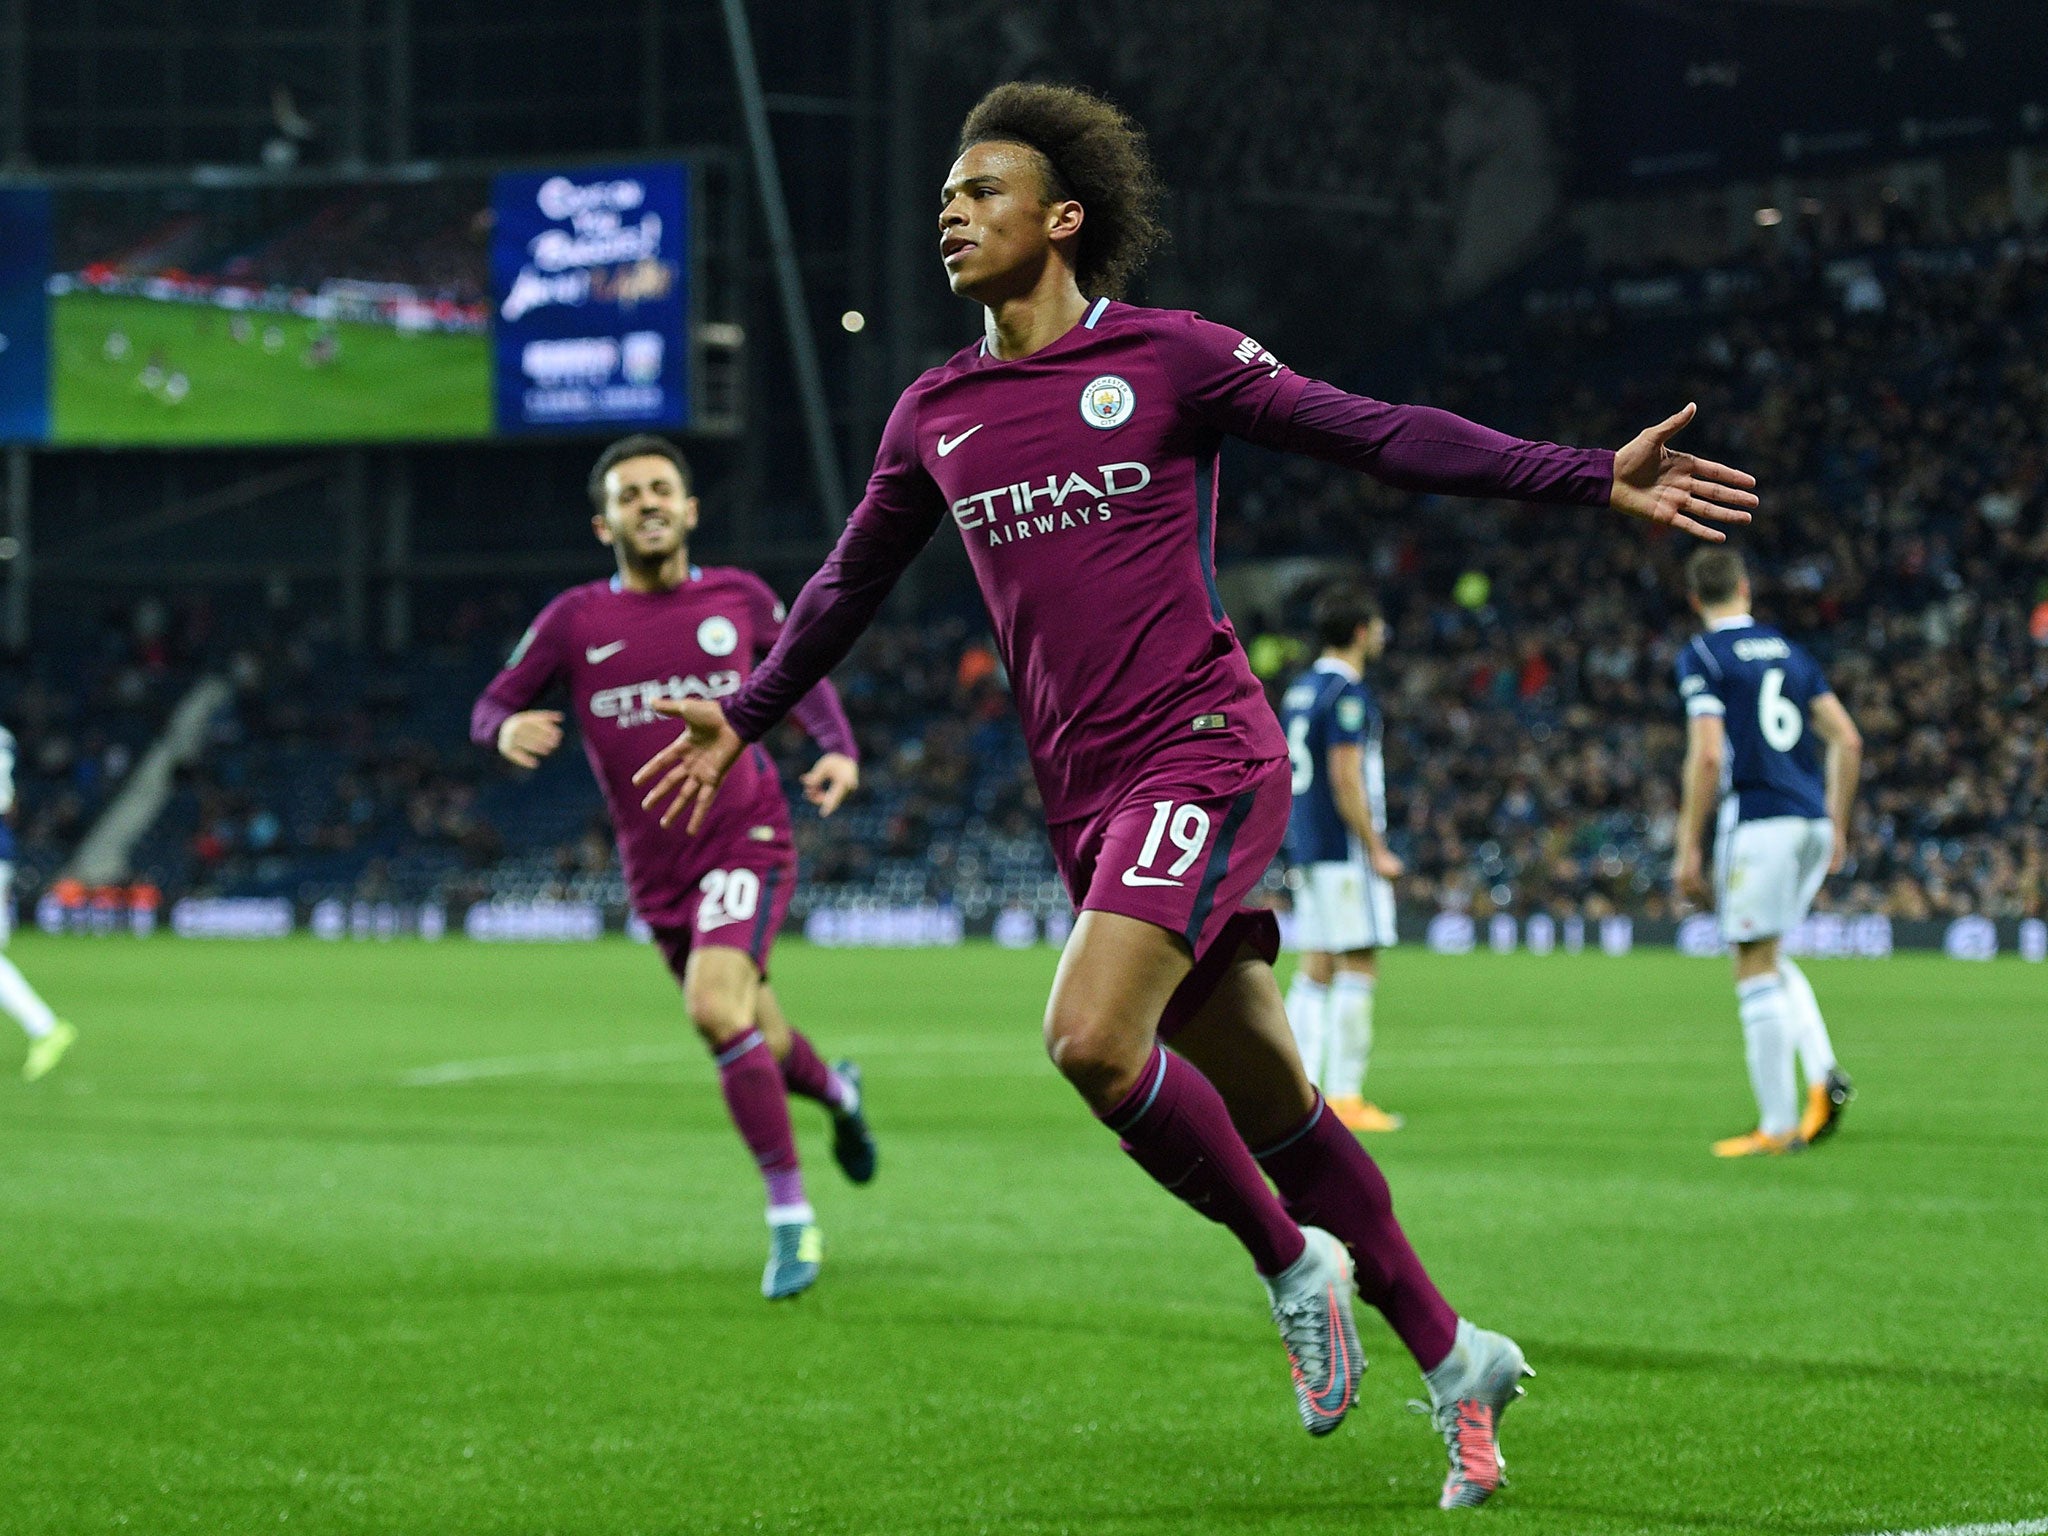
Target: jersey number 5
{"points": [[1299, 757], [1778, 717]]}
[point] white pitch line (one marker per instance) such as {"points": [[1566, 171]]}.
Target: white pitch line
{"points": [[2001, 1528], [541, 1065]]}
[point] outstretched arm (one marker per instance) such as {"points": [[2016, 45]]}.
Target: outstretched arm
{"points": [[1240, 388], [1420, 448], [895, 519]]}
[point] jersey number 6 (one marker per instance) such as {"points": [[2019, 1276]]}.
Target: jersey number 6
{"points": [[1778, 716], [1299, 757]]}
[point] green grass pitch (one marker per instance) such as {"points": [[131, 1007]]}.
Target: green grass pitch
{"points": [[379, 385], [269, 1262]]}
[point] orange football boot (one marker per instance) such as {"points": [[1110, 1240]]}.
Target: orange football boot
{"points": [[1758, 1144], [1356, 1114], [1824, 1105]]}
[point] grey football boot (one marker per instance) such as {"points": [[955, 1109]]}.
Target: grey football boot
{"points": [[1311, 1301], [1468, 1393]]}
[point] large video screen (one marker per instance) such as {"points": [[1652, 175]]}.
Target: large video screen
{"points": [[360, 312]]}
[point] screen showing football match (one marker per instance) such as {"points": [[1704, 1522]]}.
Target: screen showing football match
{"points": [[456, 308]]}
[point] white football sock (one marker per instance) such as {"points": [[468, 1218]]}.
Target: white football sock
{"points": [[1767, 1032], [1350, 1043], [1306, 1005], [1809, 1029], [20, 999]]}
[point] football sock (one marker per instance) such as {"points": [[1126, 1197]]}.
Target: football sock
{"points": [[759, 1106], [1307, 1002], [21, 1000], [804, 1073], [1767, 1035], [1350, 1046], [1328, 1180], [1174, 1126], [1809, 1029]]}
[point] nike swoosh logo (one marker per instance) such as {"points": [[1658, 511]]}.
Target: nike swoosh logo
{"points": [[1132, 877], [1335, 1398], [596, 653], [948, 444]]}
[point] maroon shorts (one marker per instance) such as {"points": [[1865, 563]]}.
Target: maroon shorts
{"points": [[740, 905], [1181, 849]]}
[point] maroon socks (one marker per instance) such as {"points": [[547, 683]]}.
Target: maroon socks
{"points": [[1175, 1127], [1328, 1180], [754, 1094], [804, 1073]]}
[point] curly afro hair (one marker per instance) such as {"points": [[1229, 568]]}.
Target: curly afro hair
{"points": [[1092, 154]]}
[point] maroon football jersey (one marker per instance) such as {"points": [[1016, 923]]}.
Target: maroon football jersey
{"points": [[618, 652], [1082, 480]]}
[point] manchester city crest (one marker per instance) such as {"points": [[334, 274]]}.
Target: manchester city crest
{"points": [[1108, 402], [717, 635]]}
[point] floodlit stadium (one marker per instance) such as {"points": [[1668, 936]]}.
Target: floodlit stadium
{"points": [[932, 768]]}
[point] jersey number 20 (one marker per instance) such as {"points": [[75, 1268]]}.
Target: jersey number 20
{"points": [[1778, 717], [730, 896]]}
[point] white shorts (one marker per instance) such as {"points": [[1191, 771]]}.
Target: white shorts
{"points": [[1341, 906], [1767, 872]]}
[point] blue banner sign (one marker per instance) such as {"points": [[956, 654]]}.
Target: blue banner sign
{"points": [[24, 314], [589, 277]]}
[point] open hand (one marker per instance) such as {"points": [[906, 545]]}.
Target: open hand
{"points": [[832, 778], [1659, 485], [693, 765]]}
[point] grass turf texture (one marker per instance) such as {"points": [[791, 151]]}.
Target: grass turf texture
{"points": [[379, 385], [253, 1276]]}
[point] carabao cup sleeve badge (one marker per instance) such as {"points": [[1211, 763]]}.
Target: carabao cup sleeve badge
{"points": [[1108, 402]]}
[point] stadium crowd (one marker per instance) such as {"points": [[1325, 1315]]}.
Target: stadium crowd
{"points": [[1892, 409], [431, 237], [1893, 413]]}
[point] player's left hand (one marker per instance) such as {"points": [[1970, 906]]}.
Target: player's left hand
{"points": [[832, 778], [1387, 864], [1659, 485]]}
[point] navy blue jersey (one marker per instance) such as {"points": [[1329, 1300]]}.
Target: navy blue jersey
{"points": [[1762, 685], [1323, 708]]}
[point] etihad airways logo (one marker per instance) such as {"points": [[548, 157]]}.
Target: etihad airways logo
{"points": [[634, 704], [1012, 512]]}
